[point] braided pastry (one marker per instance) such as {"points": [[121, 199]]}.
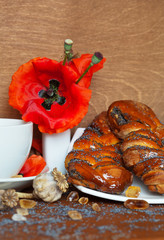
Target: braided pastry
{"points": [[142, 146], [95, 161]]}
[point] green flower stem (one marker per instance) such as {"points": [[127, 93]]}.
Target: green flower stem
{"points": [[91, 64], [65, 58]]}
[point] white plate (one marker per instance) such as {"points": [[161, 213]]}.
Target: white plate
{"points": [[18, 183], [145, 194]]}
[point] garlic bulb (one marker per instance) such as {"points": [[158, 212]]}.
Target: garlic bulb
{"points": [[50, 186]]}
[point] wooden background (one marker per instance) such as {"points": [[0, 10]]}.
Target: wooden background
{"points": [[129, 33]]}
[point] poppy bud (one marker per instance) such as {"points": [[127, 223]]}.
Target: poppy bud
{"points": [[68, 50], [97, 57], [68, 44]]}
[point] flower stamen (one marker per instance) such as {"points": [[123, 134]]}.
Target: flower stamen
{"points": [[51, 95]]}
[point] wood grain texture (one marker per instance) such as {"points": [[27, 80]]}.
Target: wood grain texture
{"points": [[130, 34]]}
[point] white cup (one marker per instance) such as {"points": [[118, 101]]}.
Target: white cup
{"points": [[15, 144]]}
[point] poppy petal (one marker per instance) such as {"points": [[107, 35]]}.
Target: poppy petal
{"points": [[80, 65], [33, 166], [37, 144]]}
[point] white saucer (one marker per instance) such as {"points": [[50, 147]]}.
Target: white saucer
{"points": [[152, 198], [16, 183]]}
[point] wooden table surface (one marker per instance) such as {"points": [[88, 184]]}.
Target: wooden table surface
{"points": [[114, 222], [130, 34]]}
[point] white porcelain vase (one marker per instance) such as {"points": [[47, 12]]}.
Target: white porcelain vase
{"points": [[55, 148]]}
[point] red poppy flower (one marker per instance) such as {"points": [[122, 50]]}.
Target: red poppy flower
{"points": [[45, 92]]}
